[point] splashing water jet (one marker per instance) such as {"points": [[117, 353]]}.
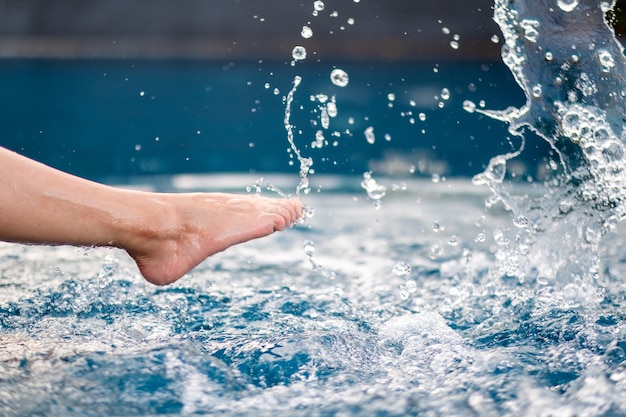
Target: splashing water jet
{"points": [[562, 60]]}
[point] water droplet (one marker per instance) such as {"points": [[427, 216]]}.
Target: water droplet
{"points": [[309, 247], [324, 119], [410, 286], [298, 53], [401, 269], [436, 227], [369, 135], [318, 5], [374, 190], [445, 30], [445, 94], [454, 44], [339, 77], [391, 97], [469, 106], [331, 107], [521, 221], [549, 56], [404, 294], [308, 212], [329, 274], [307, 32], [495, 39], [435, 251], [565, 206], [567, 5]]}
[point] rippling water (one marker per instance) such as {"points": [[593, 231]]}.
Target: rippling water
{"points": [[256, 331]]}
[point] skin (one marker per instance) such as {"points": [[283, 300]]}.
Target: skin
{"points": [[166, 234]]}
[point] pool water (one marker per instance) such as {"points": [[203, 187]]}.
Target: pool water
{"points": [[257, 331]]}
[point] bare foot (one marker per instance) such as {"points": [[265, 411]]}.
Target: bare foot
{"points": [[182, 230]]}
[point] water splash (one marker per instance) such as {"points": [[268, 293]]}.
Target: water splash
{"points": [[573, 72], [309, 250], [375, 191], [305, 163]]}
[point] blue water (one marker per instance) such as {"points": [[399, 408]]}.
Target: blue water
{"points": [[256, 331], [89, 117]]}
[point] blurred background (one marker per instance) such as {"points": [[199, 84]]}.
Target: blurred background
{"points": [[112, 88]]}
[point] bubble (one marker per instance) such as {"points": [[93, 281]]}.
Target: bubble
{"points": [[307, 32], [318, 5], [567, 5], [298, 53], [401, 269], [606, 60], [369, 135], [537, 91], [530, 29], [339, 77]]}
